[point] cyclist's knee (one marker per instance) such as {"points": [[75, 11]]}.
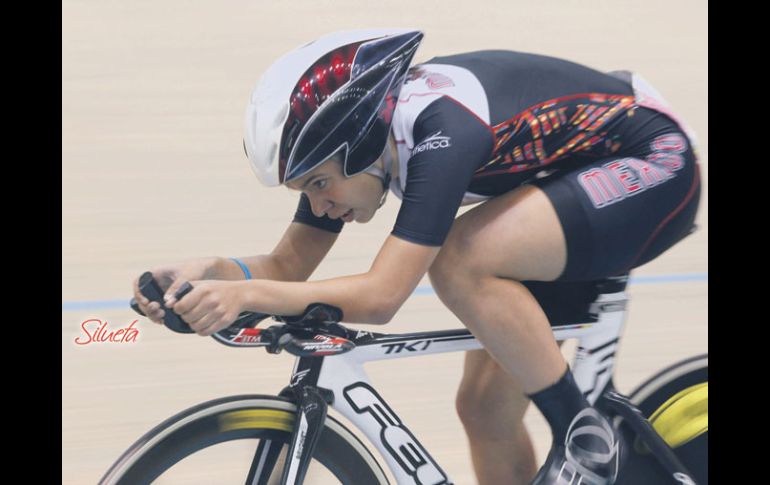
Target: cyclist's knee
{"points": [[453, 277]]}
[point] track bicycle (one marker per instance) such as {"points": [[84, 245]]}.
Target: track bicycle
{"points": [[290, 438]]}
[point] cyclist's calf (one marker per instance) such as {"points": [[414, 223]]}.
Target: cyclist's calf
{"points": [[491, 405], [490, 402]]}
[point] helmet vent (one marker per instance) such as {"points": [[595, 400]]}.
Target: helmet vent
{"points": [[281, 116], [271, 152]]}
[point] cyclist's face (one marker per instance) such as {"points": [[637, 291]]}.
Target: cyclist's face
{"points": [[351, 199]]}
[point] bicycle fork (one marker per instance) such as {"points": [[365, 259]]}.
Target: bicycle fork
{"points": [[312, 404]]}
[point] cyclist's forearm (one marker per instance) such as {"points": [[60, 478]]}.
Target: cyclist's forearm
{"points": [[263, 266], [356, 295]]}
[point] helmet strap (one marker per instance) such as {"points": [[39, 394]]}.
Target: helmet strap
{"points": [[384, 176]]}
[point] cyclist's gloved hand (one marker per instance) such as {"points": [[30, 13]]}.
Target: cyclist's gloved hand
{"points": [[171, 278]]}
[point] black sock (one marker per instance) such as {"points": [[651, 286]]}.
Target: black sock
{"points": [[560, 403]]}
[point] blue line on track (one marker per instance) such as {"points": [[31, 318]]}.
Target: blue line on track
{"points": [[72, 306]]}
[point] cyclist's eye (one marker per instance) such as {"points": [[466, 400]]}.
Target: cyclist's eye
{"points": [[319, 184]]}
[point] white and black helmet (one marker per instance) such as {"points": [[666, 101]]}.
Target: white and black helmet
{"points": [[335, 95]]}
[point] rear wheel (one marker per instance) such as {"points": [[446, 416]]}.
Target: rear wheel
{"points": [[240, 439], [676, 402]]}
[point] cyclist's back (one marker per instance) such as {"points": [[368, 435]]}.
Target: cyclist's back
{"points": [[473, 126]]}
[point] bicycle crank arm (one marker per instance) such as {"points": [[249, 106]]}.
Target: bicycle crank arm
{"points": [[657, 445], [311, 414]]}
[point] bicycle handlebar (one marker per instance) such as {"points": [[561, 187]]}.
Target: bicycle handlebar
{"points": [[315, 333], [152, 291]]}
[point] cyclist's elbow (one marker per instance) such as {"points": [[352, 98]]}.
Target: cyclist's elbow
{"points": [[383, 318], [383, 312], [369, 310], [382, 300]]}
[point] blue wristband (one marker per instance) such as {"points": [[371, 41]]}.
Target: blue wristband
{"points": [[243, 267]]}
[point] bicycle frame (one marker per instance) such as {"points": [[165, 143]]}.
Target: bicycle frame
{"points": [[330, 371], [350, 392]]}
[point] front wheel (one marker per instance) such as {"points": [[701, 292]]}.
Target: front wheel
{"points": [[252, 435], [675, 401]]}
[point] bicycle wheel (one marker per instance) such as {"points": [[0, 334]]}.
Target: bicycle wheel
{"points": [[682, 422], [182, 448]]}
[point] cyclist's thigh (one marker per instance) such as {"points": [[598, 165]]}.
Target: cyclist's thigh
{"points": [[515, 235], [620, 212]]}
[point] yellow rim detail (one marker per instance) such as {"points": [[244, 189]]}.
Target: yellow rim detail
{"points": [[257, 418], [684, 417]]}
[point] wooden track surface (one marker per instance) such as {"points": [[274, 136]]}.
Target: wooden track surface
{"points": [[152, 114]]}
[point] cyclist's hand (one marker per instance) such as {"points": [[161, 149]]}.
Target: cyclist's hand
{"points": [[211, 305], [170, 278]]}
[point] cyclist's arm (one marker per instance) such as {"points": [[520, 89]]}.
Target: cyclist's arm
{"points": [[294, 258], [371, 297], [435, 185], [436, 181]]}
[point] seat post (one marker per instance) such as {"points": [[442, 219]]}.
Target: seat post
{"points": [[594, 362]]}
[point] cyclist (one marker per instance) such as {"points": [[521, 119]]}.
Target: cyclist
{"points": [[583, 174]]}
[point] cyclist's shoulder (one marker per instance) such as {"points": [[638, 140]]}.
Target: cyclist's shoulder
{"points": [[496, 85], [500, 56], [453, 74], [503, 62], [432, 92]]}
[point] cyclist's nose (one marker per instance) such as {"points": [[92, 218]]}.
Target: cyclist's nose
{"points": [[320, 206]]}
